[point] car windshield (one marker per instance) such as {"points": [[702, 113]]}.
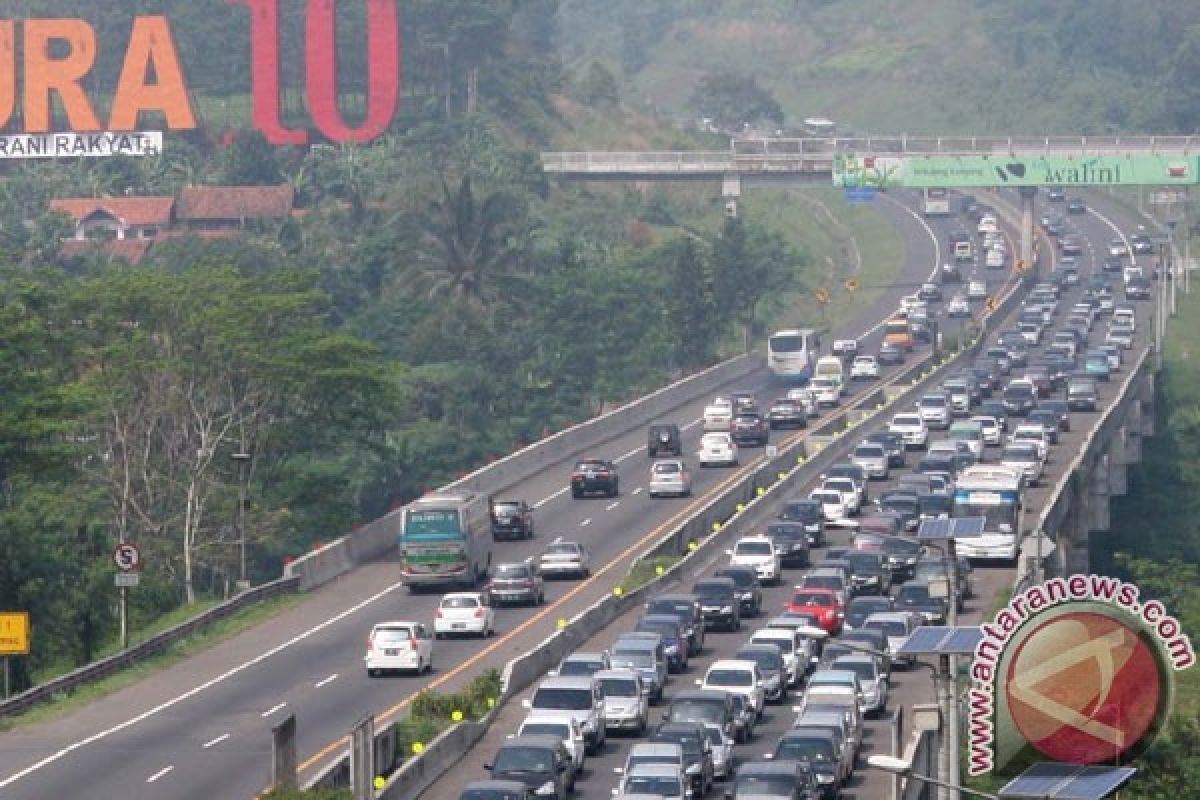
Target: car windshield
{"points": [[912, 594], [506, 508], [803, 511], [823, 581], [559, 730], [858, 612], [514, 759], [562, 549], [810, 600], [661, 606], [1020, 453], [562, 699], [865, 670], [696, 711], [933, 402], [804, 748], [654, 785], [619, 687], [766, 660], [828, 498], [907, 421], [784, 643], [729, 677], [667, 468], [579, 667], [713, 591], [744, 578], [460, 602], [590, 466], [632, 659], [392, 635], [714, 440], [887, 627], [869, 451], [782, 786], [753, 549], [666, 629]]}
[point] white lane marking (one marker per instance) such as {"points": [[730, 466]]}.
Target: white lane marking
{"points": [[628, 455], [693, 424], [1115, 229], [545, 500], [272, 710], [216, 741], [613, 505], [325, 681], [174, 701], [638, 490], [586, 522], [159, 774], [937, 252]]}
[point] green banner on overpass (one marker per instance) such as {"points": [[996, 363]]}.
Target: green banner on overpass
{"points": [[980, 171]]}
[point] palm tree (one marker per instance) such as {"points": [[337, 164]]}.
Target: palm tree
{"points": [[468, 241]]}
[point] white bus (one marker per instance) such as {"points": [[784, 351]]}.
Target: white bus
{"points": [[995, 493], [791, 355], [935, 203], [445, 538]]}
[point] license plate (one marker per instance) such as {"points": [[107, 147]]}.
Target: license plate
{"points": [[457, 625], [391, 652]]}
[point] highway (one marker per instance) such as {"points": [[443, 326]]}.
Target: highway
{"points": [[908, 687], [201, 729]]}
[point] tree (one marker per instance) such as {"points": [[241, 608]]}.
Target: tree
{"points": [[690, 308], [733, 100], [251, 161], [748, 263], [598, 87], [1184, 80]]}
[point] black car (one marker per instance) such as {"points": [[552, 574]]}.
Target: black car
{"points": [[893, 445], [697, 752], [535, 761], [1059, 407], [818, 751], [890, 354], [1076, 206], [705, 707], [497, 790], [917, 596], [749, 428], [664, 440], [868, 573], [594, 475], [687, 608], [1056, 194], [512, 519], [1138, 289], [749, 590], [1141, 244], [1048, 420], [793, 542], [930, 293], [787, 413], [1112, 264], [778, 778], [906, 504], [720, 603], [1020, 399], [863, 606], [670, 628], [808, 513], [938, 462]]}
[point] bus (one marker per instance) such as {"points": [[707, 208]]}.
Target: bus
{"points": [[445, 539], [935, 203], [897, 331], [819, 127], [791, 354], [995, 493]]}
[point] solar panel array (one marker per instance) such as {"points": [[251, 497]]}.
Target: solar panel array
{"points": [[940, 529], [942, 641], [1054, 781]]}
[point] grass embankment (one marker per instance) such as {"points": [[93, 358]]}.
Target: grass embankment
{"points": [[182, 649]]}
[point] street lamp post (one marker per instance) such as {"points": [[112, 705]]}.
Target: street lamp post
{"points": [[899, 766], [243, 462]]}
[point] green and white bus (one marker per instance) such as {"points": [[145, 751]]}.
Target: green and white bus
{"points": [[445, 538]]}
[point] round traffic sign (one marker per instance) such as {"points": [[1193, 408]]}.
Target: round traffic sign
{"points": [[990, 304], [127, 557], [852, 285], [822, 295]]}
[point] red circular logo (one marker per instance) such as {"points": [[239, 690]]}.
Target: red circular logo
{"points": [[1084, 688]]}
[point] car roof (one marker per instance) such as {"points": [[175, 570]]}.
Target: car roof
{"points": [[498, 785], [533, 740], [656, 748], [585, 657], [394, 624], [651, 768], [567, 682], [733, 663], [768, 768], [615, 674]]}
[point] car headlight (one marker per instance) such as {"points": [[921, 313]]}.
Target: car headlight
{"points": [[693, 769], [546, 788], [726, 609], [823, 778]]}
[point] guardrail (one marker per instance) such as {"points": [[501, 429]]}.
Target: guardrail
{"points": [[723, 518], [153, 646]]}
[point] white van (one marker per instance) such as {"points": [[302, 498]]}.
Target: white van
{"points": [[833, 368], [971, 432]]}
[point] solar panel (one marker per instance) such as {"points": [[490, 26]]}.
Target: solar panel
{"points": [[942, 641], [1053, 781], [952, 528]]}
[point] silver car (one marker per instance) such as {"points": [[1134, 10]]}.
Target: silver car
{"points": [[871, 678], [873, 458], [722, 750], [670, 477], [565, 558]]}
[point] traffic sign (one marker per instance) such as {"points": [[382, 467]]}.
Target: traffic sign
{"points": [[127, 580], [127, 557], [14, 633], [861, 194], [852, 285], [990, 304], [1022, 266], [822, 295]]}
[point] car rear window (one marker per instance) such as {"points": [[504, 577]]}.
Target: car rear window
{"points": [[460, 602]]}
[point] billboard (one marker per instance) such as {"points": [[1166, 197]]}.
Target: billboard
{"points": [[1078, 669], [983, 171], [58, 56]]}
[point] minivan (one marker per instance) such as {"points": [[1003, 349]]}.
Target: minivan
{"points": [[647, 658], [971, 432]]}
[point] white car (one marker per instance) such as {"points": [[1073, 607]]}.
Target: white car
{"points": [[828, 391], [992, 434], [935, 410], [976, 290], [758, 552], [669, 477], [718, 416], [994, 259], [838, 681], [560, 728], [807, 398], [1032, 434], [717, 449], [464, 612], [912, 429], [737, 677], [1024, 458], [851, 496], [397, 646], [797, 650], [659, 781], [833, 504], [864, 367], [873, 458], [871, 678], [626, 703], [958, 306], [565, 558], [1117, 247]]}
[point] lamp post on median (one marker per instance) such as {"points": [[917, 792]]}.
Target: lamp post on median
{"points": [[898, 766], [242, 460]]}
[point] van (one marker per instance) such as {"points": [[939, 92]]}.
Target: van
{"points": [[574, 697], [647, 657], [831, 367], [971, 432], [664, 439]]}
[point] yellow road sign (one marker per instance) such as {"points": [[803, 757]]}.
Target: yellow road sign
{"points": [[852, 285], [14, 633], [822, 295], [990, 304]]}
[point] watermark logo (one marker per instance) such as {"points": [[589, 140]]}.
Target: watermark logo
{"points": [[1079, 668]]}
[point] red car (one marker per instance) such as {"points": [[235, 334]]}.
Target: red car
{"points": [[822, 604]]}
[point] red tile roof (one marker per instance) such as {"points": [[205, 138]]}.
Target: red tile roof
{"points": [[129, 210], [235, 202], [131, 250]]}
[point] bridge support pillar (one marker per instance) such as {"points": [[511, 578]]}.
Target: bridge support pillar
{"points": [[731, 185], [1028, 193], [1118, 477], [1096, 502], [1146, 405]]}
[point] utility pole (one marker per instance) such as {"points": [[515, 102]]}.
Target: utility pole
{"points": [[243, 462]]}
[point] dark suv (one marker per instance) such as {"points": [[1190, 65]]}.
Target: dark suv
{"points": [[664, 439], [536, 761], [792, 542], [748, 588], [809, 514], [594, 475], [750, 428], [687, 608], [719, 602], [512, 519]]}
